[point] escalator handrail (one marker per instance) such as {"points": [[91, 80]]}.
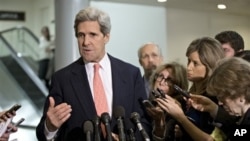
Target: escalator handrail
{"points": [[25, 67], [23, 28]]}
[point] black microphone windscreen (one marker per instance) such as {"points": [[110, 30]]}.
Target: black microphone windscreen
{"points": [[88, 126], [105, 118], [119, 111], [135, 116], [96, 120]]}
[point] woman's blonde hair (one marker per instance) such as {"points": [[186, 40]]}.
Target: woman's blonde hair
{"points": [[209, 51]]}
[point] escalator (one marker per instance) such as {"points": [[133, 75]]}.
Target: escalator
{"points": [[19, 82]]}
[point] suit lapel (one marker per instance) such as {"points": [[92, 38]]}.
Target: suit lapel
{"points": [[82, 90], [119, 82]]}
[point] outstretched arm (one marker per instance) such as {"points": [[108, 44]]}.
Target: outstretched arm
{"points": [[204, 104], [171, 107]]}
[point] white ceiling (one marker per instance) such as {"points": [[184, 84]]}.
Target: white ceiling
{"points": [[240, 7]]}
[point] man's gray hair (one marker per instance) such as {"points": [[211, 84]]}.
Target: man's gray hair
{"points": [[148, 43], [93, 14]]}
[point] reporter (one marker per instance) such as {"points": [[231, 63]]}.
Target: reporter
{"points": [[202, 55], [169, 105], [163, 78], [234, 93]]}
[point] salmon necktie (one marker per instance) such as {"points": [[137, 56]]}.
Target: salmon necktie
{"points": [[99, 93], [100, 99]]}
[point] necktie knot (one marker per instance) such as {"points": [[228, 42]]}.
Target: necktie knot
{"points": [[96, 67]]}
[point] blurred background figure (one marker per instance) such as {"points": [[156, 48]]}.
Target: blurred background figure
{"points": [[46, 50], [245, 54], [150, 57], [231, 41]]}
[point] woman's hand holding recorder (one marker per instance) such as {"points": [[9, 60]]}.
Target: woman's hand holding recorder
{"points": [[5, 119], [4, 116]]}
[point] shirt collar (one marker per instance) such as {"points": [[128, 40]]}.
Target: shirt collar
{"points": [[104, 62]]}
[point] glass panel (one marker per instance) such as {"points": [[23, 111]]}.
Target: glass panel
{"points": [[19, 83], [3, 49], [12, 90], [24, 42], [10, 94]]}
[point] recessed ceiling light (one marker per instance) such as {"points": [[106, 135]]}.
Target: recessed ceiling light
{"points": [[161, 0], [221, 6]]}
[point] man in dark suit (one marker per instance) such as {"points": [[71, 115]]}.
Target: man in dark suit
{"points": [[71, 98]]}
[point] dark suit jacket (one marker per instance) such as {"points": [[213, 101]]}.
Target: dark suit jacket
{"points": [[71, 85]]}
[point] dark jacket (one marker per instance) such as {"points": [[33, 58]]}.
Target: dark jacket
{"points": [[71, 85]]}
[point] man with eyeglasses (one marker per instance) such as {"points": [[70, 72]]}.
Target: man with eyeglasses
{"points": [[150, 57]]}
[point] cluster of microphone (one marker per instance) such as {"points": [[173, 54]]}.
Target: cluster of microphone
{"points": [[126, 127]]}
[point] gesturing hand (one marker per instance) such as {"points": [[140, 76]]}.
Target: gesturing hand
{"points": [[57, 115]]}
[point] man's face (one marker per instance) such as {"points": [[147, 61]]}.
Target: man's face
{"points": [[91, 41], [228, 50], [150, 58]]}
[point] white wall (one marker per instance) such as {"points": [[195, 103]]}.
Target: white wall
{"points": [[183, 26], [132, 26]]}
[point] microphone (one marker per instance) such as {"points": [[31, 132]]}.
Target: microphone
{"points": [[105, 118], [88, 129], [130, 130], [96, 122], [119, 114], [135, 117]]}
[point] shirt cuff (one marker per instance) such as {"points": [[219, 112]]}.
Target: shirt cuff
{"points": [[50, 136]]}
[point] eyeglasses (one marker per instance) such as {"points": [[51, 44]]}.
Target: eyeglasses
{"points": [[160, 77]]}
